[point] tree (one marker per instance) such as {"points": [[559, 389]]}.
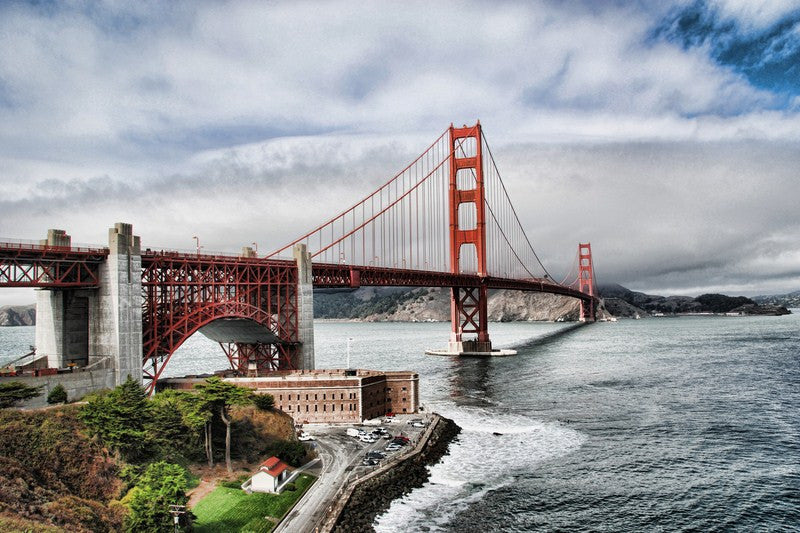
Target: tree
{"points": [[14, 392], [218, 396], [119, 418], [177, 421], [161, 485], [263, 402], [58, 394]]}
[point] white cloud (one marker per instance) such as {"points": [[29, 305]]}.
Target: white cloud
{"points": [[222, 119], [756, 14]]}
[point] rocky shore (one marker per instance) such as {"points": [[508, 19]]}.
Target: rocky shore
{"points": [[373, 495]]}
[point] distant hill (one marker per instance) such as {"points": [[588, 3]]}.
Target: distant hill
{"points": [[791, 299], [621, 301], [372, 304], [18, 315]]}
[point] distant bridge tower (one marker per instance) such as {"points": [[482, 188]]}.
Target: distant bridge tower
{"points": [[468, 305], [586, 280]]}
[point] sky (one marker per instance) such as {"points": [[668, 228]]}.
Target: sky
{"points": [[665, 133]]}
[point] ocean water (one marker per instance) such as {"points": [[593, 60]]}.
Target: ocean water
{"points": [[671, 424]]}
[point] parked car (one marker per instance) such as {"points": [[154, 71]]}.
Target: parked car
{"points": [[418, 425], [392, 447], [387, 436], [352, 432], [369, 439], [306, 437]]}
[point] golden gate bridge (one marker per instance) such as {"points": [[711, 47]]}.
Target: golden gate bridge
{"points": [[445, 220]]}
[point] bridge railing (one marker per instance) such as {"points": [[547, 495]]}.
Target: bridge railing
{"points": [[21, 244]]}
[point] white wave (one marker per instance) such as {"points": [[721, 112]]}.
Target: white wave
{"points": [[479, 462]]}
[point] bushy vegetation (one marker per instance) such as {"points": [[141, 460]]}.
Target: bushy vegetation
{"points": [[719, 303], [119, 461], [58, 394], [52, 473], [160, 485], [264, 402], [13, 392]]}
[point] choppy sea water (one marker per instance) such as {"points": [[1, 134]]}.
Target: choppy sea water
{"points": [[670, 424]]}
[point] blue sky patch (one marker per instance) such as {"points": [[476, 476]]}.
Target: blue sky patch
{"points": [[769, 58]]}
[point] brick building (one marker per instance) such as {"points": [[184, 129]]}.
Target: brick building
{"points": [[331, 396]]}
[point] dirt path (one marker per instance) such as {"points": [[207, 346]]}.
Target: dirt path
{"points": [[202, 490]]}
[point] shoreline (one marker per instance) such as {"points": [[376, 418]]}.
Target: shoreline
{"points": [[365, 498]]}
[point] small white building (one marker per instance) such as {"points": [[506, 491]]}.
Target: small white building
{"points": [[270, 475]]}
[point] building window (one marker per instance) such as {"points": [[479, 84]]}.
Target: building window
{"points": [[404, 399], [280, 397], [324, 407], [306, 397], [315, 396], [341, 407], [306, 408], [323, 396], [404, 409], [290, 397], [404, 388], [341, 396], [316, 408]]}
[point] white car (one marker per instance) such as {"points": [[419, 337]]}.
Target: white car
{"points": [[369, 439], [305, 437]]}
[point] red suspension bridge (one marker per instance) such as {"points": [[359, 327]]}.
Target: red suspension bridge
{"points": [[446, 220]]}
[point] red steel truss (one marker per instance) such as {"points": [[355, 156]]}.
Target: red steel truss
{"points": [[256, 359], [44, 266], [184, 292]]}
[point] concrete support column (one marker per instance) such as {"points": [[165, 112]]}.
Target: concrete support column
{"points": [[117, 322], [49, 333], [305, 307], [50, 330]]}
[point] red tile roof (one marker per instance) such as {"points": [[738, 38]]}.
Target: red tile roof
{"points": [[273, 466]]}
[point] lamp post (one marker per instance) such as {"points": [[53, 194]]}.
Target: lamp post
{"points": [[349, 340], [197, 243], [255, 247]]}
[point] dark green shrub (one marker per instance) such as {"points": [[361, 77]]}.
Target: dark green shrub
{"points": [[58, 394], [264, 402]]}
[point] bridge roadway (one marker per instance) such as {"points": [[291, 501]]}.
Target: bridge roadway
{"points": [[31, 265], [332, 275]]}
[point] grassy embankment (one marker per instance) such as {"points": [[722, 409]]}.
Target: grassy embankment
{"points": [[229, 508]]}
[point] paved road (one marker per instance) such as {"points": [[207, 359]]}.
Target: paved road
{"points": [[341, 458]]}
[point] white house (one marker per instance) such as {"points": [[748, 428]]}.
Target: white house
{"points": [[270, 475]]}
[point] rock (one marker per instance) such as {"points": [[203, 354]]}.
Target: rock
{"points": [[18, 315]]}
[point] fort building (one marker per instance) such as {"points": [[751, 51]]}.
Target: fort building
{"points": [[329, 396]]}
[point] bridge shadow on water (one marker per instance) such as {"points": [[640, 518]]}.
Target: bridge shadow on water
{"points": [[547, 338], [471, 378]]}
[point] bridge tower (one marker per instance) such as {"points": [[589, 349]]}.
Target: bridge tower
{"points": [[468, 305], [586, 280]]}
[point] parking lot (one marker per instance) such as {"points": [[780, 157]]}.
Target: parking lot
{"points": [[343, 458]]}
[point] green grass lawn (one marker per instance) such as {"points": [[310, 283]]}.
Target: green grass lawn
{"points": [[228, 509]]}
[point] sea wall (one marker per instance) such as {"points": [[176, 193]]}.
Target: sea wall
{"points": [[77, 384], [366, 498]]}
